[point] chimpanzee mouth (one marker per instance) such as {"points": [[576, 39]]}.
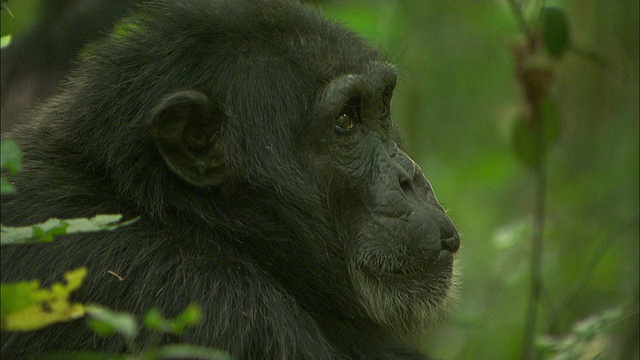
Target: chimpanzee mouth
{"points": [[444, 255], [427, 267]]}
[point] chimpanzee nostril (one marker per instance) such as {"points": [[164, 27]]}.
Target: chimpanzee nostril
{"points": [[451, 243], [405, 184], [405, 169]]}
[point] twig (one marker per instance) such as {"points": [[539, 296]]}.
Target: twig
{"points": [[529, 352]]}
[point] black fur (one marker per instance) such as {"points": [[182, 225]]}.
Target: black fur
{"points": [[304, 241]]}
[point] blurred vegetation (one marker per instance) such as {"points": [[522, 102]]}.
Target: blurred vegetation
{"points": [[457, 102]]}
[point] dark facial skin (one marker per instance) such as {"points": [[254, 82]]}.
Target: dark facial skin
{"points": [[255, 141], [399, 240]]}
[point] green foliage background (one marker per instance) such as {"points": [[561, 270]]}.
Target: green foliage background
{"points": [[456, 102]]}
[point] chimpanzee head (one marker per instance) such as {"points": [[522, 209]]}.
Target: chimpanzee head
{"points": [[273, 132]]}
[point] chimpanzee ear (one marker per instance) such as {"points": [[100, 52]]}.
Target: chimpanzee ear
{"points": [[186, 129]]}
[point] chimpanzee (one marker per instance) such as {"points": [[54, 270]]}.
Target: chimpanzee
{"points": [[254, 140]]}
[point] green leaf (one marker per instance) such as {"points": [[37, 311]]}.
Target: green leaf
{"points": [[154, 320], [107, 322], [47, 230], [555, 31], [186, 351], [11, 156], [82, 355], [190, 316], [10, 159], [589, 338], [101, 328], [26, 306], [15, 296], [44, 232], [6, 187], [5, 40]]}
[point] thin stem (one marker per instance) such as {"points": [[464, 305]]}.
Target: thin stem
{"points": [[529, 352], [517, 11]]}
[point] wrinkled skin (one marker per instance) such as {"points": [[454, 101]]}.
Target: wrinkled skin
{"points": [[254, 140]]}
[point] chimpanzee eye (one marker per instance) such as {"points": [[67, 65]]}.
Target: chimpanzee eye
{"points": [[345, 122], [349, 116]]}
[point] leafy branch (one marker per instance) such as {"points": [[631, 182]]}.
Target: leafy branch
{"points": [[27, 306], [536, 129], [44, 232]]}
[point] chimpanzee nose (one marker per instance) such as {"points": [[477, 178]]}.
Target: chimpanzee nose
{"points": [[452, 243], [449, 237], [449, 246], [407, 175]]}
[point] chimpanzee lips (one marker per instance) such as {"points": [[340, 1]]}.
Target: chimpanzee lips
{"points": [[413, 268]]}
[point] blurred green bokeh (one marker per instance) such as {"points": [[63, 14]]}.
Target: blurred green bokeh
{"points": [[456, 102]]}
